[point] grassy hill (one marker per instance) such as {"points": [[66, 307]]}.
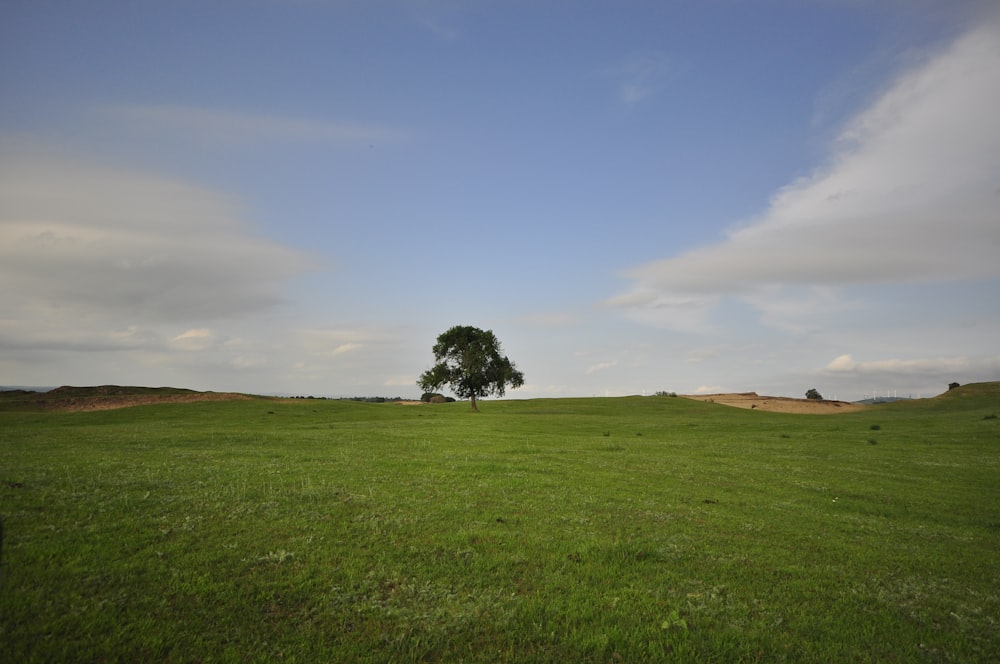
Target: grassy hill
{"points": [[585, 530], [104, 397]]}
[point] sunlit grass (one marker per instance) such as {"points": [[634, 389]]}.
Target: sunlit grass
{"points": [[637, 529]]}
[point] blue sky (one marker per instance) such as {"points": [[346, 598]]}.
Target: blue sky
{"points": [[299, 195]]}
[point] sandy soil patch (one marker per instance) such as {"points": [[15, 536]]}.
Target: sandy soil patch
{"points": [[110, 403], [752, 400]]}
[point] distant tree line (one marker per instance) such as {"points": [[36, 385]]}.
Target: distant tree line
{"points": [[374, 399]]}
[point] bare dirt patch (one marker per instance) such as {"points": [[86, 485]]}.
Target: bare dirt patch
{"points": [[110, 403], [752, 400]]}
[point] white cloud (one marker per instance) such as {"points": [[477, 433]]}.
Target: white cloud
{"points": [[245, 362], [194, 340], [798, 310], [333, 340], [376, 357], [221, 125], [133, 336], [658, 307], [404, 380], [78, 239], [842, 363], [129, 277], [911, 194], [347, 348], [845, 364], [601, 366], [913, 376], [640, 75], [42, 329]]}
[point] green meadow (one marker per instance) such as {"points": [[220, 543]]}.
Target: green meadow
{"points": [[638, 529]]}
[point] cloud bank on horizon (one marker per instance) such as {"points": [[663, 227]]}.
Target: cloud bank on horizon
{"points": [[308, 223]]}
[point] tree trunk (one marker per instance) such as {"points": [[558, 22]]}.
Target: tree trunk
{"points": [[474, 407]]}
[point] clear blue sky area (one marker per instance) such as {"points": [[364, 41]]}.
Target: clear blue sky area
{"points": [[298, 196]]}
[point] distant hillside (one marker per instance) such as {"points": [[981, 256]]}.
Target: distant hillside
{"points": [[966, 397], [969, 391], [875, 400], [105, 397], [973, 390], [973, 395]]}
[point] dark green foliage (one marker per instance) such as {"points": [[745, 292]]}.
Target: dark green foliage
{"points": [[469, 361], [434, 397], [952, 386], [813, 393]]}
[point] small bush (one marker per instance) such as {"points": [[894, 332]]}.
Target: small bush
{"points": [[434, 397], [872, 441], [875, 427]]}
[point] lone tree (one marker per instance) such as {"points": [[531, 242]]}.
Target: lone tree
{"points": [[469, 361], [813, 393]]}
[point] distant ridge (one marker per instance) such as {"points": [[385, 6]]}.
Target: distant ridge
{"points": [[969, 391], [105, 397], [874, 400]]}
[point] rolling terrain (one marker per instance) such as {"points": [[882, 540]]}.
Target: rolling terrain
{"points": [[547, 530]]}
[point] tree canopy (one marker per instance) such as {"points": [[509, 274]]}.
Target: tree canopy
{"points": [[813, 393], [470, 362]]}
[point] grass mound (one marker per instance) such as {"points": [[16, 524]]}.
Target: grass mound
{"points": [[973, 395], [104, 397]]}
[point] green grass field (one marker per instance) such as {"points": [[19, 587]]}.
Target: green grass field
{"points": [[572, 530]]}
